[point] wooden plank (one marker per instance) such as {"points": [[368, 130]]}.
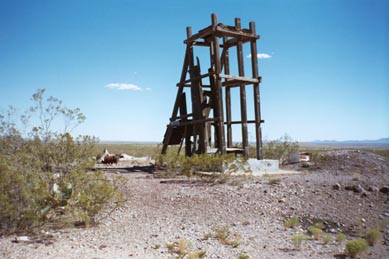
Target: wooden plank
{"points": [[185, 82], [240, 78], [201, 34], [239, 122], [220, 32]]}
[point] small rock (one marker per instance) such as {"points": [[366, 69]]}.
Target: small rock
{"points": [[336, 186], [384, 190], [355, 188], [373, 189], [21, 239]]}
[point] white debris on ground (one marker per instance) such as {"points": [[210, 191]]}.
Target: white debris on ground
{"points": [[124, 160]]}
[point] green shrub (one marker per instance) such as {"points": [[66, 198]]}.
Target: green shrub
{"points": [[319, 225], [243, 256], [292, 222], [280, 149], [316, 232], [356, 247], [340, 237], [274, 181], [44, 174], [179, 164], [326, 239], [297, 240], [372, 236]]}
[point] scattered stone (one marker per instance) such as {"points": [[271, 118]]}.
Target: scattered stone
{"points": [[22, 239], [373, 189], [384, 190], [355, 188], [336, 186]]}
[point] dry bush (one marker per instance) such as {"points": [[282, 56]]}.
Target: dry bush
{"points": [[44, 174], [280, 149]]}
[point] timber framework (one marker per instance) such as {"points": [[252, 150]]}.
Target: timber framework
{"points": [[206, 125]]}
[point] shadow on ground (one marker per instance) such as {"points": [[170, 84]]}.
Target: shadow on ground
{"points": [[134, 169]]}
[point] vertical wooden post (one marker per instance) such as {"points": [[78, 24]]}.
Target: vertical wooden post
{"points": [[243, 106], [221, 145], [228, 93], [257, 109]]}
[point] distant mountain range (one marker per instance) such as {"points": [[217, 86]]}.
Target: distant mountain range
{"points": [[376, 142]]}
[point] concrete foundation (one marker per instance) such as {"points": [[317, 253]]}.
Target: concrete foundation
{"points": [[256, 167]]}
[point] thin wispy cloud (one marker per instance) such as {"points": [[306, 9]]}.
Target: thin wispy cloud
{"points": [[261, 56], [123, 86]]}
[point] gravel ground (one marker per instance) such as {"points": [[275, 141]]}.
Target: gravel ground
{"points": [[342, 191]]}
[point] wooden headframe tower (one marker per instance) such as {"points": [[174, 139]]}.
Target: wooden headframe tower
{"points": [[207, 103]]}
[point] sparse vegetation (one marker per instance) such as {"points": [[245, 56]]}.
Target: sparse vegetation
{"points": [[274, 181], [315, 231], [243, 256], [319, 225], [197, 255], [292, 222], [225, 237], [297, 240], [340, 237], [187, 166], [181, 249], [156, 246], [372, 236], [280, 148], [44, 174], [326, 239], [356, 247]]}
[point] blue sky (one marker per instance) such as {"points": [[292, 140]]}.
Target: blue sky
{"points": [[325, 75]]}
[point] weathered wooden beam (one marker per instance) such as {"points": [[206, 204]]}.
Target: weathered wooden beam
{"points": [[195, 122], [218, 90], [228, 95], [243, 106], [185, 82], [201, 34], [240, 122], [221, 31], [257, 110]]}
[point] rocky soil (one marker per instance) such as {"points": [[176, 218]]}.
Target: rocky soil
{"points": [[345, 190]]}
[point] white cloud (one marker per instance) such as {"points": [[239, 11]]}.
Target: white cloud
{"points": [[123, 86], [148, 89], [261, 55]]}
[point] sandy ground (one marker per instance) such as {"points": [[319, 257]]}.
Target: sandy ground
{"points": [[160, 211]]}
